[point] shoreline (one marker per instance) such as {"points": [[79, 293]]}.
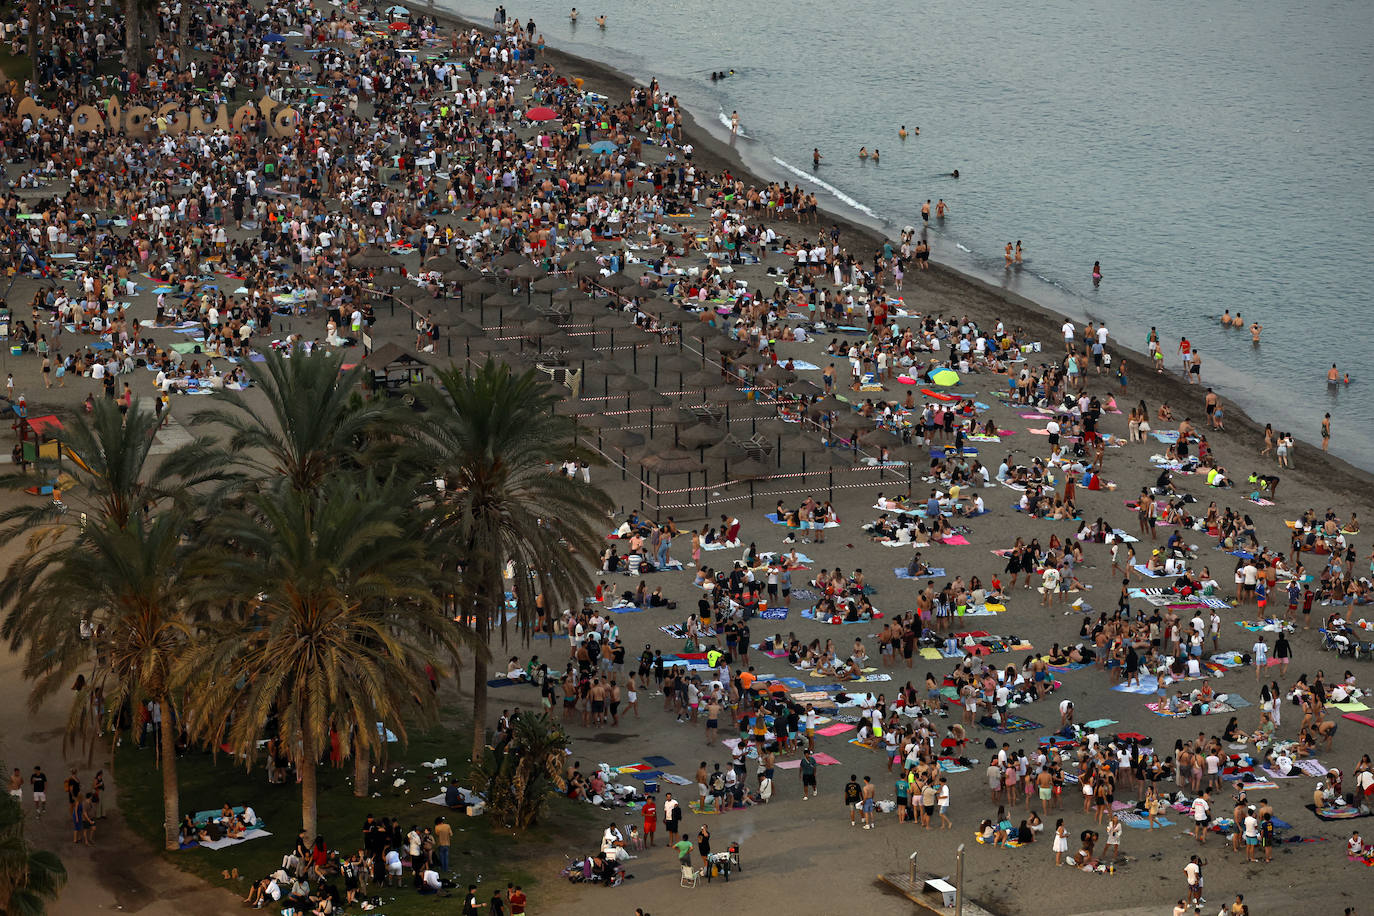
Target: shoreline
{"points": [[955, 287]]}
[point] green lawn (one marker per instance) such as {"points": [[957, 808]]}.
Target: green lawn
{"points": [[495, 855]]}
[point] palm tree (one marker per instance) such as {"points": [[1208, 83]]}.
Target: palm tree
{"points": [[99, 557], [314, 424], [344, 622], [124, 586], [518, 776], [107, 458], [493, 436], [29, 878]]}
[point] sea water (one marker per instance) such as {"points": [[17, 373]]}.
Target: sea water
{"points": [[1211, 155]]}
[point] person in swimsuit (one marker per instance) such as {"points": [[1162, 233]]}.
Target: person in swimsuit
{"points": [[1097, 272]]}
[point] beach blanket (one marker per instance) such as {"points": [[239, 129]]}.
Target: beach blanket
{"points": [[774, 613], [931, 573], [1145, 571], [773, 517], [1137, 821], [1148, 684], [254, 834], [1016, 724], [1360, 718], [1312, 767], [839, 728], [1337, 813]]}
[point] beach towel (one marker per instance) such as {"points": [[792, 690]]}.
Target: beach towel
{"points": [[774, 613], [1148, 684], [1161, 708], [1360, 718], [254, 834], [954, 540], [1016, 724], [839, 728], [1145, 571], [1337, 813], [1141, 822], [773, 517]]}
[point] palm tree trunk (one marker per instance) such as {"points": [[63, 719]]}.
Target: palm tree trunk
{"points": [[362, 769], [171, 803], [309, 786], [133, 33], [35, 10], [479, 704]]}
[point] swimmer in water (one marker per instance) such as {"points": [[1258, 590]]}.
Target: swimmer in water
{"points": [[953, 174], [863, 152], [572, 17], [1097, 272], [1018, 251], [940, 209], [601, 20], [1237, 322], [1255, 328], [1226, 318], [875, 154], [816, 157], [1007, 254], [902, 133], [1333, 376]]}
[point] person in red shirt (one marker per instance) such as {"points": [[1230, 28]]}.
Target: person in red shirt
{"points": [[650, 820], [516, 897]]}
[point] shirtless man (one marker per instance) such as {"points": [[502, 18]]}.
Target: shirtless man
{"points": [[1226, 318], [572, 17], [816, 157], [1211, 406], [1196, 370], [925, 213], [598, 698], [1333, 376], [1044, 786], [1255, 328]]}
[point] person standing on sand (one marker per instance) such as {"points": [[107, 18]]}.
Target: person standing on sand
{"points": [[1326, 431]]}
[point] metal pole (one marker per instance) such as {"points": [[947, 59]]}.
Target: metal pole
{"points": [[959, 881]]}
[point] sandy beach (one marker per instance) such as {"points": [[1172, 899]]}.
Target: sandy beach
{"points": [[805, 852]]}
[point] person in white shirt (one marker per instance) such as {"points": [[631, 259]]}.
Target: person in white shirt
{"points": [[429, 883], [1201, 810]]}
